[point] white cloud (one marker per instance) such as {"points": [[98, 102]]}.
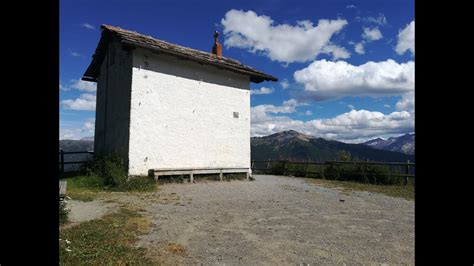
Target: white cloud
{"points": [[84, 85], [351, 106], [407, 102], [88, 26], [287, 107], [354, 126], [406, 39], [308, 112], [77, 129], [387, 105], [325, 80], [285, 84], [381, 20], [359, 48], [262, 90], [89, 125], [351, 6], [336, 51], [283, 42], [372, 34], [63, 88], [85, 102]]}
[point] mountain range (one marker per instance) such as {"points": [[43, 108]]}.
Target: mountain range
{"points": [[294, 146], [404, 144]]}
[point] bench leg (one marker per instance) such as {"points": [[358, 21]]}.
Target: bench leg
{"points": [[191, 178], [220, 175]]}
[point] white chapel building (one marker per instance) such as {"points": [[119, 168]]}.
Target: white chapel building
{"points": [[165, 107]]}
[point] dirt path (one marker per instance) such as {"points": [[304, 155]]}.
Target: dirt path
{"points": [[275, 220]]}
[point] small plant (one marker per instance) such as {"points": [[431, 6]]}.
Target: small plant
{"points": [[109, 168], [111, 174], [63, 212]]}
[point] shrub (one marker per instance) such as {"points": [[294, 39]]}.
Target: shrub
{"points": [[372, 174], [63, 212], [110, 172], [277, 168], [109, 169]]}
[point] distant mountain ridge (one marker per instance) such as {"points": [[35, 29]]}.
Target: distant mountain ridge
{"points": [[295, 146], [404, 144], [76, 145]]}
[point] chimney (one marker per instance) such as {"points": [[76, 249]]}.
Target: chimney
{"points": [[217, 48]]}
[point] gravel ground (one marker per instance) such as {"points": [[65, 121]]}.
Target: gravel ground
{"points": [[274, 220]]}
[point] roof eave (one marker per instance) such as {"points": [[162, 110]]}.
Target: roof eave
{"points": [[254, 77]]}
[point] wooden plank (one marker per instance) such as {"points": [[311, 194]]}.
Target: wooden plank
{"points": [[62, 187]]}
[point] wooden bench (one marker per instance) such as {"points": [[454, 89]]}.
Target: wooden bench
{"points": [[156, 173], [62, 189]]}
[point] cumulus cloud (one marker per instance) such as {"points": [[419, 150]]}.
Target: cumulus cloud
{"points": [[85, 102], [88, 26], [281, 42], [354, 126], [407, 102], [324, 80], [285, 84], [89, 125], [262, 90], [372, 34], [359, 48], [63, 88], [76, 129], [336, 51], [84, 85], [406, 39]]}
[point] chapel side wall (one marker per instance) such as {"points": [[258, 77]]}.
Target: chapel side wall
{"points": [[182, 115]]}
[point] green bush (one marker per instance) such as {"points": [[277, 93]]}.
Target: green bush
{"points": [[110, 172], [277, 168], [371, 174], [109, 169], [63, 212]]}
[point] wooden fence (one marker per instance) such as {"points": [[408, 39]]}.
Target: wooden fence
{"points": [[305, 169], [62, 162]]}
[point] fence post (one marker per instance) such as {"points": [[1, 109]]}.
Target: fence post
{"points": [[407, 169], [285, 164], [268, 166], [62, 161]]}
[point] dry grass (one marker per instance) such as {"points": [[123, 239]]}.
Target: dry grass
{"points": [[176, 248], [109, 240]]}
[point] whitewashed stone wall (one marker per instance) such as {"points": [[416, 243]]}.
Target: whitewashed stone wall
{"points": [[182, 115]]}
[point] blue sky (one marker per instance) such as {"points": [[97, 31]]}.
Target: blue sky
{"points": [[345, 68]]}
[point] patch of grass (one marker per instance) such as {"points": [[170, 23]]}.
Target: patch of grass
{"points": [[87, 188], [109, 241], [83, 188], [176, 248], [400, 191]]}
